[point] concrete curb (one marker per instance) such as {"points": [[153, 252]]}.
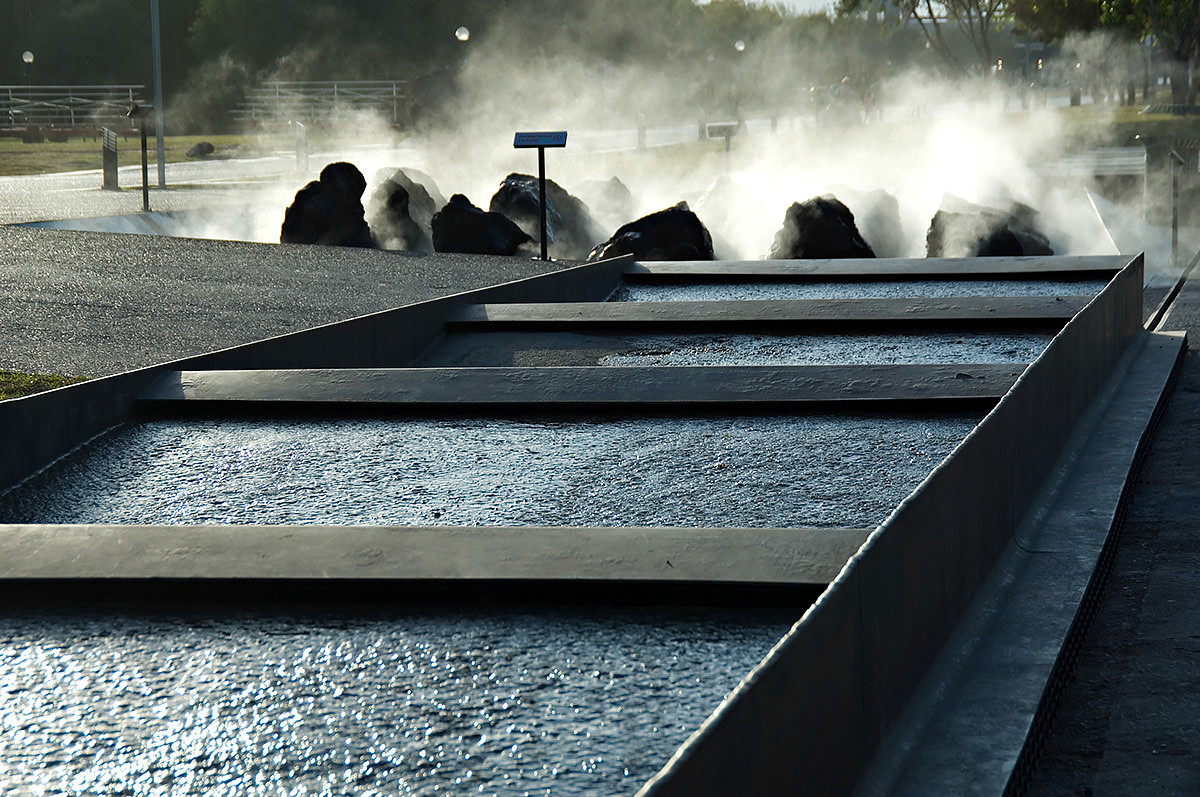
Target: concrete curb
{"points": [[426, 553]]}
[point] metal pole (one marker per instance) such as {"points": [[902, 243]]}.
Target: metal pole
{"points": [[542, 194], [156, 46], [145, 170]]}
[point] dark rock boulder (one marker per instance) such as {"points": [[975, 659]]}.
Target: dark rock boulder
{"points": [[570, 231], [610, 201], [401, 208], [329, 211], [672, 234], [877, 216], [725, 204], [462, 227], [961, 229], [201, 149], [817, 229]]}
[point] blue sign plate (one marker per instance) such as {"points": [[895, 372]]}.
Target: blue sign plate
{"points": [[544, 139]]}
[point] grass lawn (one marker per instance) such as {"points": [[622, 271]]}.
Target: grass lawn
{"points": [[1118, 126], [15, 385], [78, 154]]}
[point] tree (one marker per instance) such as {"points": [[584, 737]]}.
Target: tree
{"points": [[1176, 23], [975, 20], [1051, 20]]}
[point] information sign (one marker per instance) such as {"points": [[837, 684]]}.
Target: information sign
{"points": [[542, 139]]}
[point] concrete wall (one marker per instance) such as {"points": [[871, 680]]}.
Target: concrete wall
{"points": [[811, 716], [41, 428]]}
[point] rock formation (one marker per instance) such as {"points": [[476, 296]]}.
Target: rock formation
{"points": [[817, 229], [672, 234], [329, 211], [462, 227], [570, 231], [401, 208], [961, 229]]}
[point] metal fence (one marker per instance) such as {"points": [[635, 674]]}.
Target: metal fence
{"points": [[67, 106], [321, 101]]}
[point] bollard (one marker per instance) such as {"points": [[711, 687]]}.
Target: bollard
{"points": [[108, 150]]}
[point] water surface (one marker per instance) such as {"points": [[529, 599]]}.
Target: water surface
{"points": [[727, 471], [363, 703], [696, 291]]}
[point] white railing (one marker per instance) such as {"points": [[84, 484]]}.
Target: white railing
{"points": [[324, 100], [30, 106]]}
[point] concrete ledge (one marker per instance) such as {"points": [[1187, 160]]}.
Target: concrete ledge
{"points": [[971, 310], [884, 270], [966, 728], [788, 556], [653, 386]]}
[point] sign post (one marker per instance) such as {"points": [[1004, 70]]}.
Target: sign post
{"points": [[541, 141], [725, 130], [140, 112]]}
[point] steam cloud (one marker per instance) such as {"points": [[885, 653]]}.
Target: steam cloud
{"points": [[923, 138]]}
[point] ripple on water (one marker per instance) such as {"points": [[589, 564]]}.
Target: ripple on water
{"points": [[588, 702], [831, 349], [742, 471], [866, 289]]}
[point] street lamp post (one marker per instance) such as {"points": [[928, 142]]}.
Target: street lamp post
{"points": [[463, 34], [156, 47], [739, 47], [27, 58]]}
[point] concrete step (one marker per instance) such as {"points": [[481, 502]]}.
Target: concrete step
{"points": [[978, 311], [676, 387], [780, 556], [1025, 268]]}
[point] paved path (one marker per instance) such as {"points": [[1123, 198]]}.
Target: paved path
{"points": [[92, 304], [1129, 721]]}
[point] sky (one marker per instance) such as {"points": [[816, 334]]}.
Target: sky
{"points": [[802, 6], [806, 6]]}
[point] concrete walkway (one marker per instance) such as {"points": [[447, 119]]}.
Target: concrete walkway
{"points": [[1129, 720], [94, 304]]}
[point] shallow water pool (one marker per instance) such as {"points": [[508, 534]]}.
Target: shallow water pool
{"points": [[364, 703], [728, 471]]}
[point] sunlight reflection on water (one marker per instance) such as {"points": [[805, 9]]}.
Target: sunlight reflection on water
{"points": [[585, 702], [742, 471]]}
